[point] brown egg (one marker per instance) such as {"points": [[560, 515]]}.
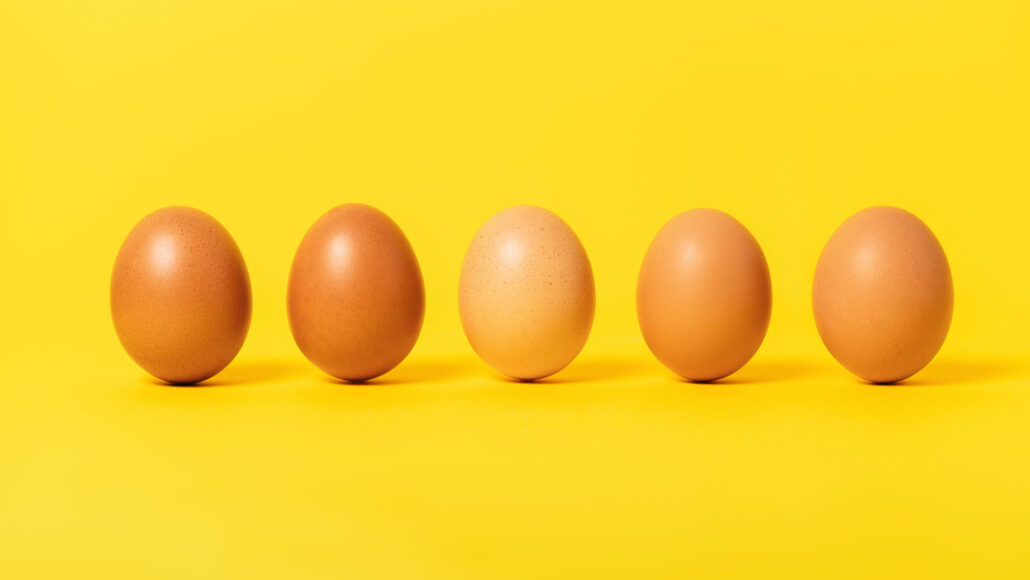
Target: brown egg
{"points": [[882, 295], [704, 296], [526, 293], [180, 295], [356, 299]]}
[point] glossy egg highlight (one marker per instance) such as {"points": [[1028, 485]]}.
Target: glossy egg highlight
{"points": [[704, 295], [356, 299], [882, 295], [180, 295], [526, 293]]}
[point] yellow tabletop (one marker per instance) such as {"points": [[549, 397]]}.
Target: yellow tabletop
{"points": [[790, 116]]}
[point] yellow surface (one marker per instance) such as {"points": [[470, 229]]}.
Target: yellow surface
{"points": [[616, 115]]}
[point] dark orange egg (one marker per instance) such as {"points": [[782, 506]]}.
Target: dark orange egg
{"points": [[180, 295], [356, 300]]}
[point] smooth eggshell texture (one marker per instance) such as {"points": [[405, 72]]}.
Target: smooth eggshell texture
{"points": [[526, 293], [883, 294], [704, 295], [180, 295], [356, 299]]}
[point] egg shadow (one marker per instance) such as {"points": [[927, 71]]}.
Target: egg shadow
{"points": [[731, 381], [590, 370], [962, 371], [772, 370], [244, 373], [431, 370], [609, 369], [753, 373]]}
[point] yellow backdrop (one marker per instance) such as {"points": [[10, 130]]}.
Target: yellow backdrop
{"points": [[789, 115]]}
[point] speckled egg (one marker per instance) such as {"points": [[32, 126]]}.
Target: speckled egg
{"points": [[704, 295], [180, 295], [356, 299], [526, 293], [882, 295]]}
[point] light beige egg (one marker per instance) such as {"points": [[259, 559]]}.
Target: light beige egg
{"points": [[526, 293]]}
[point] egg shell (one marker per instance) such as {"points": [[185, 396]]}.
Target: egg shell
{"points": [[356, 299], [526, 293], [704, 295], [180, 295], [882, 295]]}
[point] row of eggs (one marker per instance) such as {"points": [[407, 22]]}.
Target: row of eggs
{"points": [[181, 300]]}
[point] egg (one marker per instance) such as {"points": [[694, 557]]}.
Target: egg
{"points": [[180, 295], [882, 295], [526, 293], [356, 299], [704, 295]]}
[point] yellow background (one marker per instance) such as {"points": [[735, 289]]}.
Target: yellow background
{"points": [[616, 115]]}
